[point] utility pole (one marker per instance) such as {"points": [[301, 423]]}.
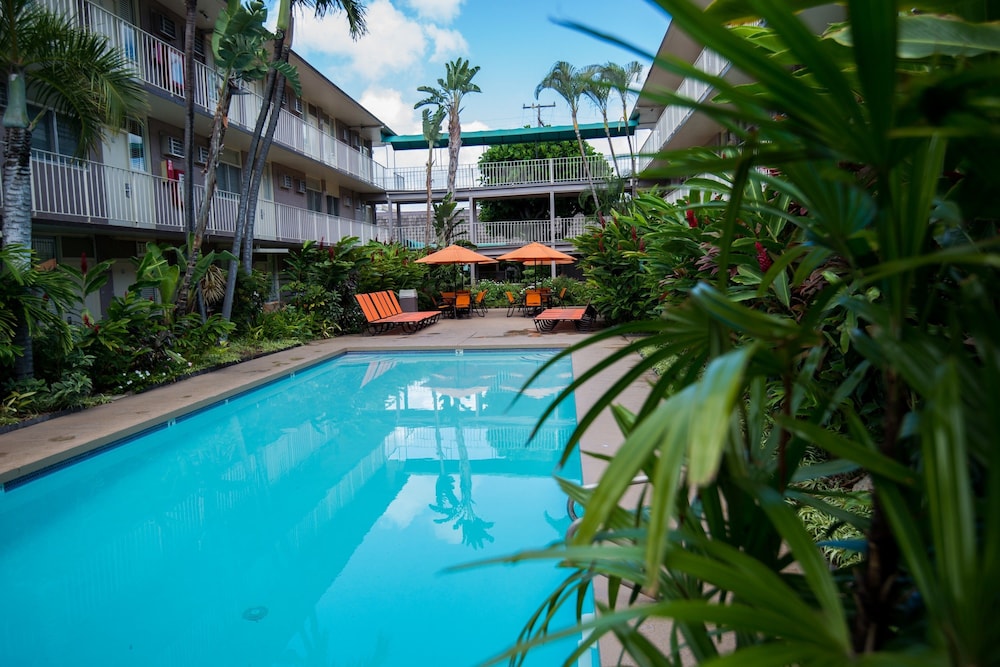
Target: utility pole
{"points": [[539, 107]]}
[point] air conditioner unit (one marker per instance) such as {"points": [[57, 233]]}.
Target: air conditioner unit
{"points": [[302, 186], [167, 28], [286, 181], [173, 146], [202, 155], [297, 105]]}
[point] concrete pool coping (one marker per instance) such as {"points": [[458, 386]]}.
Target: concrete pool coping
{"points": [[30, 449], [33, 448]]}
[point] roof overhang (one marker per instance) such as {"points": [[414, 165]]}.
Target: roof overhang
{"points": [[524, 135]]}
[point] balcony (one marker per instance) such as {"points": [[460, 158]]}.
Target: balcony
{"points": [[82, 191], [505, 234], [161, 66], [669, 125], [499, 175]]}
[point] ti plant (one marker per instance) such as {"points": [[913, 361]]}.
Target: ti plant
{"points": [[871, 337]]}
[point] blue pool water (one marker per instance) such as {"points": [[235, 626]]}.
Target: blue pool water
{"points": [[309, 522]]}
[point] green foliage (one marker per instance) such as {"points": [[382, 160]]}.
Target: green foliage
{"points": [[252, 291], [615, 263], [155, 271], [505, 163], [283, 324], [542, 150], [194, 338], [863, 327], [238, 44], [446, 221], [132, 337], [323, 283], [34, 296], [389, 266]]}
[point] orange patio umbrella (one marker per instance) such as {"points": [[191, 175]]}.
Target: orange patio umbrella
{"points": [[456, 254], [537, 254]]}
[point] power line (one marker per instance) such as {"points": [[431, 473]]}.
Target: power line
{"points": [[539, 107]]}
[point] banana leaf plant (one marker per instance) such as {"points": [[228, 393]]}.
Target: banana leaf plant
{"points": [[879, 139]]}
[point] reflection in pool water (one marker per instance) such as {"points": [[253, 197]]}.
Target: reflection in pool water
{"points": [[312, 521]]}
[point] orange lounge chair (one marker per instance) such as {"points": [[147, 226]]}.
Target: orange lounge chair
{"points": [[582, 318], [383, 314]]}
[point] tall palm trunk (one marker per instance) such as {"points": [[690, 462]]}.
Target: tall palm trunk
{"points": [[17, 223], [219, 125], [17, 186], [429, 223], [191, 12], [586, 163], [611, 145], [257, 173], [250, 186], [454, 146]]}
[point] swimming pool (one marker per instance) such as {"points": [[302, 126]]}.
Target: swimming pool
{"points": [[310, 521]]}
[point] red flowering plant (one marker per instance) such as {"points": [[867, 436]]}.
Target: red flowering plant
{"points": [[616, 265]]}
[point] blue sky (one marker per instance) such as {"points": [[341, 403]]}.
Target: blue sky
{"points": [[515, 43]]}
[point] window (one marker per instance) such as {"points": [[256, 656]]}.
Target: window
{"points": [[54, 133], [136, 152], [166, 27], [314, 201], [44, 247], [229, 178]]}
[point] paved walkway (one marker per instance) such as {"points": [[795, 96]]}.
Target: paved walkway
{"points": [[33, 448], [36, 447]]}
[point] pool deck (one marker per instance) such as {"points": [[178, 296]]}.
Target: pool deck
{"points": [[32, 448]]}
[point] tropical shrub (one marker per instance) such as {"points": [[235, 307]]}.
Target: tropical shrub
{"points": [[615, 264], [323, 282], [880, 354], [389, 266], [252, 291]]}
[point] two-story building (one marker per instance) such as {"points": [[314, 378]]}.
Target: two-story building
{"points": [[320, 181]]}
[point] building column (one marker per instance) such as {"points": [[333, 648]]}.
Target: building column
{"points": [[552, 224], [473, 236]]}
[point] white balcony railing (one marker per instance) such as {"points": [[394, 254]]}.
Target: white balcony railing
{"points": [[675, 116], [504, 232], [91, 192], [162, 66], [504, 174]]}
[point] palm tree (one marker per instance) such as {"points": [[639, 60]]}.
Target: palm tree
{"points": [[267, 122], [240, 55], [599, 92], [570, 83], [432, 133], [620, 79], [71, 72], [448, 95]]}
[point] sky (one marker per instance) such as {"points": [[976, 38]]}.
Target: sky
{"points": [[514, 42]]}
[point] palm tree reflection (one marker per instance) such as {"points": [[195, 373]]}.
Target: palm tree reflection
{"points": [[458, 509]]}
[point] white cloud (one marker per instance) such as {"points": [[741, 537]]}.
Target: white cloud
{"points": [[388, 106], [444, 11], [393, 42], [447, 43]]}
